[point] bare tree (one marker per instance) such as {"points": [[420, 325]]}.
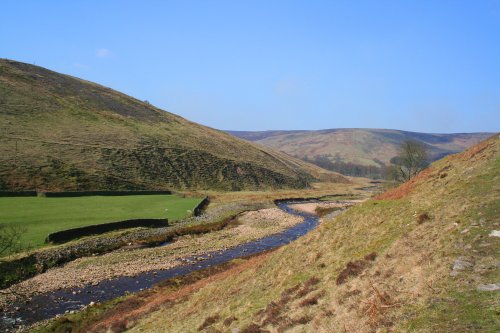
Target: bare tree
{"points": [[411, 159], [10, 239]]}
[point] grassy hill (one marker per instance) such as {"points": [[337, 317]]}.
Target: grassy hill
{"points": [[364, 147], [58, 132], [419, 258]]}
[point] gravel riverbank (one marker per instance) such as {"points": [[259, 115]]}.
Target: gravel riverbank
{"points": [[310, 207], [129, 262]]}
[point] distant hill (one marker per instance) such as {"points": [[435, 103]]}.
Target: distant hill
{"points": [[59, 132], [365, 151]]}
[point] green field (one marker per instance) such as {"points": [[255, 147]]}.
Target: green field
{"points": [[41, 216]]}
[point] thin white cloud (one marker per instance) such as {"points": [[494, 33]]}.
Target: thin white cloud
{"points": [[103, 53]]}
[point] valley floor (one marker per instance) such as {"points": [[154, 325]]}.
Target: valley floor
{"points": [[249, 222], [92, 270], [419, 258]]}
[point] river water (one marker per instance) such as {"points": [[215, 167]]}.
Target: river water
{"points": [[49, 305]]}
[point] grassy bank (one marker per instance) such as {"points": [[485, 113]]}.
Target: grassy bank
{"points": [[223, 207], [39, 216]]}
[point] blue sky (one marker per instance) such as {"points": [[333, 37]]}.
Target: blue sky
{"points": [[431, 66]]}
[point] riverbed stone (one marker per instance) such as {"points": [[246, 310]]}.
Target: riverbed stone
{"points": [[460, 264], [489, 287], [495, 233]]}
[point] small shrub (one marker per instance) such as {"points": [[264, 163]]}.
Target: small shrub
{"points": [[311, 282], [353, 268], [308, 287], [309, 301], [371, 256], [228, 321], [290, 291], [253, 328], [302, 320], [376, 307], [304, 291], [294, 322], [353, 292], [313, 300], [209, 321], [421, 218], [272, 313], [343, 298], [328, 313], [10, 239]]}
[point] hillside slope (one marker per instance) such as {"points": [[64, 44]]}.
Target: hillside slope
{"points": [[420, 258], [366, 147], [62, 133]]}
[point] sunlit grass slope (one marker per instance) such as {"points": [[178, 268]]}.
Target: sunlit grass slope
{"points": [[58, 132]]}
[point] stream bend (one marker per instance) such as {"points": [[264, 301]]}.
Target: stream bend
{"points": [[49, 305]]}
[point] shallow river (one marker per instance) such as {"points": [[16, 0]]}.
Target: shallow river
{"points": [[49, 305]]}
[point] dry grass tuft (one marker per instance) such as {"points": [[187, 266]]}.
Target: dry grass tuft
{"points": [[212, 330], [288, 292], [228, 321], [307, 287], [376, 306], [311, 282], [272, 313], [302, 320], [343, 298], [253, 328], [353, 268], [370, 256], [313, 300], [209, 321]]}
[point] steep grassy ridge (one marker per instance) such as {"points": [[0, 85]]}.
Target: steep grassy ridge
{"points": [[359, 146], [415, 259], [62, 133]]}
